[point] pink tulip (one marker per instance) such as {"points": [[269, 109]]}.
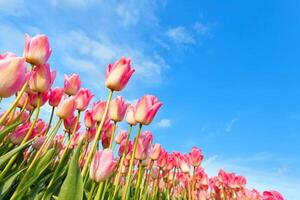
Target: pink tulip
{"points": [[37, 49], [272, 195], [69, 124], [142, 147], [162, 159], [122, 135], [38, 142], [196, 157], [40, 127], [117, 109], [24, 100], [91, 133], [155, 151], [130, 113], [108, 129], [122, 147], [55, 96], [88, 119], [184, 164], [33, 99], [98, 110], [41, 78], [72, 84], [13, 74], [82, 99], [19, 134], [65, 108], [78, 137], [103, 165], [146, 109], [118, 74]]}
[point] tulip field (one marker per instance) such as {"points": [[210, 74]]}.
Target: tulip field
{"points": [[61, 159]]}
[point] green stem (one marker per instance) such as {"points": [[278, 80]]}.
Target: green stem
{"points": [[99, 191], [113, 135], [92, 191], [50, 120], [193, 184], [189, 187], [139, 178], [97, 136], [125, 192], [12, 160]]}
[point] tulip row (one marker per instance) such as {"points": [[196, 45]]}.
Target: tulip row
{"points": [[92, 161]]}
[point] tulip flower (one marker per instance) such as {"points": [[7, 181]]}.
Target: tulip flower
{"points": [[184, 164], [82, 99], [117, 109], [33, 99], [88, 119], [37, 49], [18, 135], [38, 142], [13, 74], [122, 147], [103, 165], [196, 157], [130, 113], [142, 147], [162, 158], [146, 109], [72, 84], [155, 151], [122, 135], [55, 96], [69, 124], [272, 195], [65, 108], [24, 100], [118, 74], [98, 110], [41, 78]]}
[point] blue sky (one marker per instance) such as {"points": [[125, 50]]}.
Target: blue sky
{"points": [[227, 72]]}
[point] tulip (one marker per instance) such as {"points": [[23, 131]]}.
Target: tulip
{"points": [[78, 137], [13, 74], [122, 148], [184, 164], [155, 151], [33, 99], [38, 142], [117, 109], [98, 110], [142, 147], [18, 135], [82, 99], [55, 96], [88, 119], [162, 159], [72, 84], [37, 49], [102, 166], [69, 124], [122, 135], [196, 157], [41, 78], [146, 109], [272, 195], [130, 113], [118, 74], [23, 101], [65, 108]]}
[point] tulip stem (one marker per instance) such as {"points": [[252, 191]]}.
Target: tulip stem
{"points": [[93, 147], [139, 179], [113, 135], [91, 191], [12, 160], [189, 186], [193, 184], [99, 191], [125, 192], [50, 120]]}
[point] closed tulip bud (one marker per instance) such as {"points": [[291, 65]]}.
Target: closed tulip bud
{"points": [[118, 74], [117, 109], [40, 127], [162, 159], [122, 147], [155, 151], [122, 135], [33, 99], [146, 109], [38, 142], [41, 78], [65, 108], [37, 49], [98, 110], [24, 100], [72, 84], [91, 133], [184, 164], [196, 157], [13, 74], [82, 99], [55, 96], [142, 147], [69, 124], [78, 137], [102, 166], [272, 195], [19, 134], [88, 119], [130, 113]]}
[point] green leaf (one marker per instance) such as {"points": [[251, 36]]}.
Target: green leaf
{"points": [[8, 182], [7, 156], [8, 129], [72, 188]]}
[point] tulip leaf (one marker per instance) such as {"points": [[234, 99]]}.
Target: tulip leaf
{"points": [[6, 184], [8, 129], [72, 188], [7, 156]]}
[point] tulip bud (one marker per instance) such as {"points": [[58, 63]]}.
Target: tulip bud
{"points": [[118, 74], [272, 195], [55, 96], [72, 84], [33, 99], [196, 157], [117, 109], [130, 113], [41, 78], [155, 151], [65, 108], [37, 49], [122, 135], [98, 110], [82, 99], [88, 119]]}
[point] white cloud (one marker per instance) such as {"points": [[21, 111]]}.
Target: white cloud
{"points": [[200, 28], [230, 125], [13, 7], [164, 123], [180, 35]]}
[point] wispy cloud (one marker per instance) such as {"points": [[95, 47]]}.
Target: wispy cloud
{"points": [[180, 35], [164, 123], [230, 125]]}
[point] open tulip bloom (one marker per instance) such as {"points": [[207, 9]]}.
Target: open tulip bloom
{"points": [[73, 156]]}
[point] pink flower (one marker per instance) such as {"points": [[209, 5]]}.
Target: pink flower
{"points": [[41, 78], [184, 163], [78, 137], [33, 99], [13, 74], [88, 119], [130, 113], [65, 108], [146, 109], [122, 147], [117, 109], [272, 195], [38, 142], [37, 49], [72, 84], [19, 134], [55, 96], [162, 158], [122, 135], [82, 99], [40, 127], [155, 151], [98, 110], [102, 166], [24, 100], [196, 157], [69, 124], [142, 147], [118, 74]]}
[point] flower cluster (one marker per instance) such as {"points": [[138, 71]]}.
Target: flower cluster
{"points": [[80, 156]]}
